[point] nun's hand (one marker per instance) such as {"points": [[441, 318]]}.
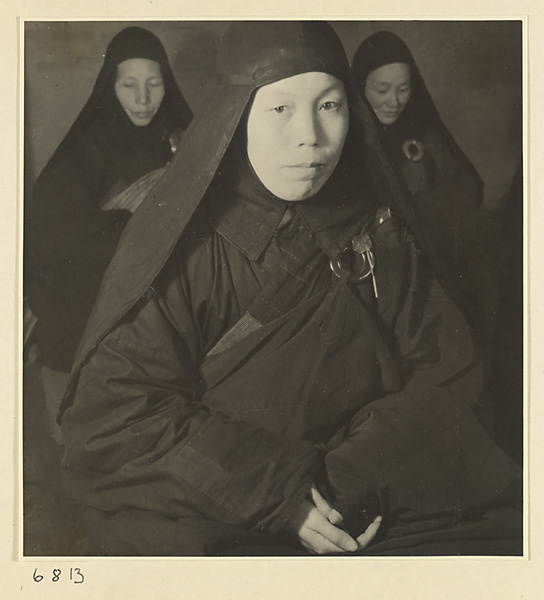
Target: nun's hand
{"points": [[316, 533], [334, 517]]}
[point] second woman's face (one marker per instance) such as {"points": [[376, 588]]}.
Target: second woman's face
{"points": [[296, 131], [388, 90], [140, 89]]}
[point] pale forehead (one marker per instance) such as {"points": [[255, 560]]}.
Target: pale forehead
{"points": [[137, 67], [391, 73], [313, 83]]}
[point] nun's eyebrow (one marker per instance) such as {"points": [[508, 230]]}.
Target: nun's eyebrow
{"points": [[381, 82]]}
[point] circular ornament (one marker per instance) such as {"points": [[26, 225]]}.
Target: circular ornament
{"points": [[344, 273], [413, 150]]}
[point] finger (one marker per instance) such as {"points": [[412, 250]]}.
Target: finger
{"points": [[365, 538], [320, 503], [324, 507], [335, 517], [336, 536], [318, 544], [316, 533]]}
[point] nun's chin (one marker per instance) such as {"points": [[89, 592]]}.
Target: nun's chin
{"points": [[389, 119]]}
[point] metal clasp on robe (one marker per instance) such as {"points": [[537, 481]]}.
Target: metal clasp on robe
{"points": [[362, 245]]}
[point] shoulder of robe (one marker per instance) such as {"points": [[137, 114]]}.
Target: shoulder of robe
{"points": [[195, 242]]}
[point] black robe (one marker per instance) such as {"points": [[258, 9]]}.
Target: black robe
{"points": [[70, 240], [185, 441]]}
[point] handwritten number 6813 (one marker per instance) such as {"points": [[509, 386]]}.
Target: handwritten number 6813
{"points": [[76, 576]]}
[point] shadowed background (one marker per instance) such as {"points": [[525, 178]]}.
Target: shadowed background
{"points": [[471, 68]]}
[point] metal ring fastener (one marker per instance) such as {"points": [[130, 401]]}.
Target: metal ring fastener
{"points": [[365, 271], [413, 150]]}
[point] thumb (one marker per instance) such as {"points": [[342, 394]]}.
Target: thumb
{"points": [[365, 538]]}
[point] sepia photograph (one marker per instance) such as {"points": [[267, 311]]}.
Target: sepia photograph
{"points": [[273, 288]]}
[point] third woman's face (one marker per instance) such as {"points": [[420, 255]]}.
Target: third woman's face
{"points": [[296, 131], [140, 89], [388, 90]]}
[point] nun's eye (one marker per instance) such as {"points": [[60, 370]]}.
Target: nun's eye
{"points": [[329, 105], [279, 109]]}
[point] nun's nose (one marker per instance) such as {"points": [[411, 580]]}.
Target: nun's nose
{"points": [[393, 100], [308, 130], [142, 95]]}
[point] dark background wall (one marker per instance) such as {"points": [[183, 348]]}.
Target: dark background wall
{"points": [[472, 69]]}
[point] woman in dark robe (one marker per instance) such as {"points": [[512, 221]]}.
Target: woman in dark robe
{"points": [[84, 197], [272, 366], [446, 189]]}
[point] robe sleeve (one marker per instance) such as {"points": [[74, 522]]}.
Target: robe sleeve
{"points": [[137, 437], [425, 448]]}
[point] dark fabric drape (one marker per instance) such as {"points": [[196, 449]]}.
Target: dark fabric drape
{"points": [[442, 185], [420, 115], [70, 240]]}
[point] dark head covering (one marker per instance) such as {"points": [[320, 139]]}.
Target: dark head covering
{"points": [[380, 49], [251, 55], [132, 42], [419, 115]]}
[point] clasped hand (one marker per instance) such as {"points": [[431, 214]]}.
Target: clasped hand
{"points": [[315, 523]]}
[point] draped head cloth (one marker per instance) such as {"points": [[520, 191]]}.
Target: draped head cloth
{"points": [[173, 113], [420, 115], [251, 54], [380, 49]]}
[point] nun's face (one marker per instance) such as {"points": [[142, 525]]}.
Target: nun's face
{"points": [[140, 89], [295, 133], [388, 90]]}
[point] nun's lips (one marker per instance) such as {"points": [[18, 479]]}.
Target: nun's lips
{"points": [[391, 114], [307, 166], [308, 171], [145, 114]]}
